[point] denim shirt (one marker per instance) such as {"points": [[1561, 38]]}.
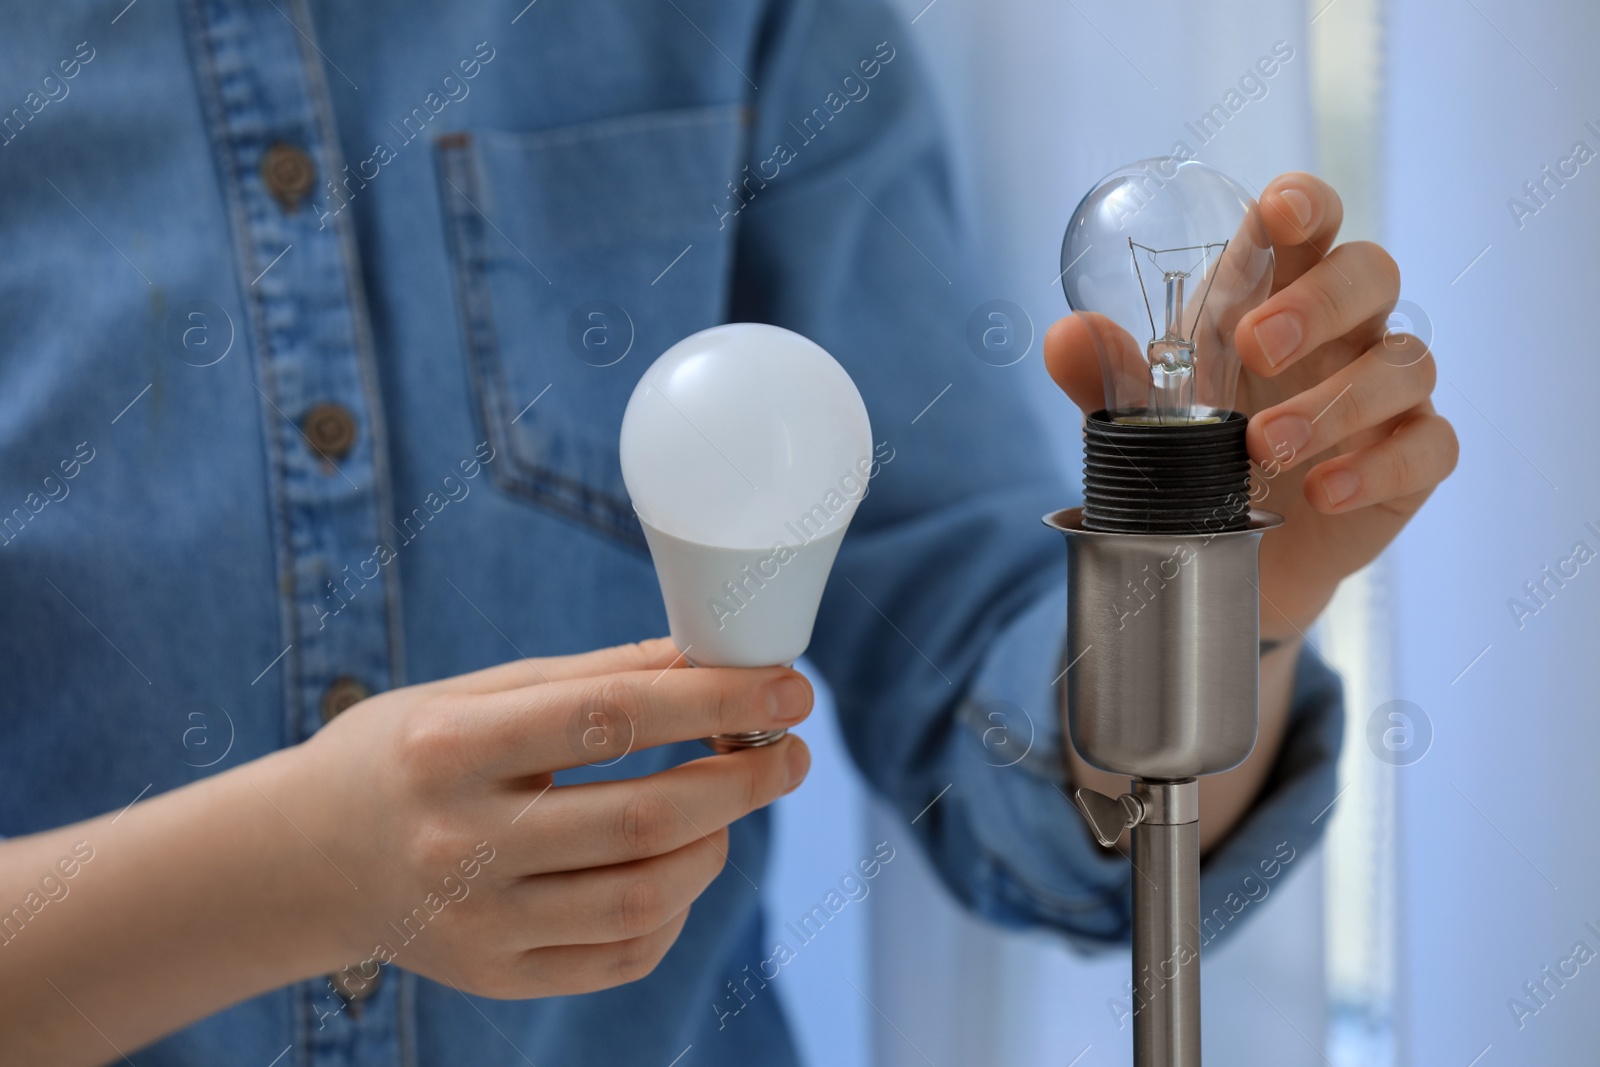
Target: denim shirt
{"points": [[317, 322]]}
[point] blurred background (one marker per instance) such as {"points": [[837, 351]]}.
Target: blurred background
{"points": [[1460, 862]]}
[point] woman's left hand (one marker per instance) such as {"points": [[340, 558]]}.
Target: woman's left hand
{"points": [[1342, 428]]}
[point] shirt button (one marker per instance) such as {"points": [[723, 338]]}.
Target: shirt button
{"points": [[331, 430], [353, 988], [289, 174], [341, 693]]}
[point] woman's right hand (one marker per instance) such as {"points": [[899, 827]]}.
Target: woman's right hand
{"points": [[435, 813], [420, 827]]}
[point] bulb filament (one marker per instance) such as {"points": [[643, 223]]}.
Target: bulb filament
{"points": [[1169, 354]]}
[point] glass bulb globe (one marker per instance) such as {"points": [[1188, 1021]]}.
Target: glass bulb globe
{"points": [[1166, 255]]}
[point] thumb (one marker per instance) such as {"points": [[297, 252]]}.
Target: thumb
{"points": [[1078, 348]]}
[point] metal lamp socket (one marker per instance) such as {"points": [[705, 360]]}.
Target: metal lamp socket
{"points": [[1163, 643]]}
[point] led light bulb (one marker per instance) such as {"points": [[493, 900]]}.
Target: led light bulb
{"points": [[746, 450], [1172, 253], [1166, 256]]}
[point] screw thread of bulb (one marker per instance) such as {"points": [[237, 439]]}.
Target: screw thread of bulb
{"points": [[1145, 478]]}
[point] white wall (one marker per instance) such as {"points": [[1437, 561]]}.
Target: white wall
{"points": [[1500, 813], [819, 835]]}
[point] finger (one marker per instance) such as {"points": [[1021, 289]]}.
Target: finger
{"points": [[1402, 468], [602, 823], [623, 901], [572, 969], [1302, 215], [1078, 348], [542, 728], [1355, 284], [1359, 396], [656, 654]]}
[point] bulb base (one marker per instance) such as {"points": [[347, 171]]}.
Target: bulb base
{"points": [[725, 743], [1142, 477]]}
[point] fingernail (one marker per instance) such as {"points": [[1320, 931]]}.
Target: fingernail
{"points": [[1341, 486], [789, 699], [796, 762], [1286, 435], [1299, 203], [1278, 335]]}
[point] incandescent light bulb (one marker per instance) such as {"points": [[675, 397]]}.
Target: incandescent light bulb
{"points": [[1173, 253], [1165, 256]]}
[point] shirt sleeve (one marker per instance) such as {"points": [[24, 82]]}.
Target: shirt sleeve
{"points": [[942, 628], [1032, 860]]}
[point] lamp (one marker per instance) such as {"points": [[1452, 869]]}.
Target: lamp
{"points": [[1163, 258]]}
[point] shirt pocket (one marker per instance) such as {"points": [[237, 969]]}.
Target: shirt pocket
{"points": [[580, 254]]}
